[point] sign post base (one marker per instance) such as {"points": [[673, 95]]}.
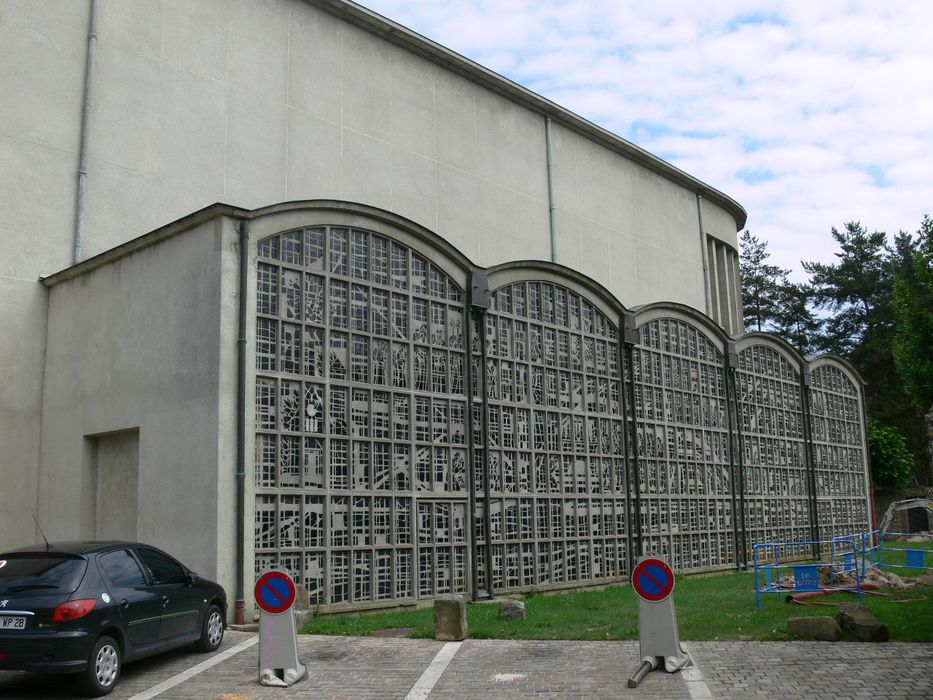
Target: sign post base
{"points": [[658, 634], [279, 665]]}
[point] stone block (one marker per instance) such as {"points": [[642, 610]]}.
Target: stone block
{"points": [[303, 618], [855, 617], [820, 627], [512, 610], [450, 620]]}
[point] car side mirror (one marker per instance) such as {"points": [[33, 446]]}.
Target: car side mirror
{"points": [[192, 578]]}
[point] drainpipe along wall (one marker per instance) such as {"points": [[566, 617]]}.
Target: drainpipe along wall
{"points": [[705, 257], [85, 128], [242, 228], [552, 207]]}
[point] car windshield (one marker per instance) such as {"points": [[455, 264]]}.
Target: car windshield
{"points": [[40, 572]]}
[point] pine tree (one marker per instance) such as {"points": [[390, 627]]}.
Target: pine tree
{"points": [[795, 321], [858, 292], [761, 284]]}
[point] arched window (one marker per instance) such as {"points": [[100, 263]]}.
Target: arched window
{"points": [[557, 509], [771, 422], [839, 453], [360, 461], [683, 445]]}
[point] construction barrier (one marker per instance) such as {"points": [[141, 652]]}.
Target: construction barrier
{"points": [[775, 574], [875, 549]]}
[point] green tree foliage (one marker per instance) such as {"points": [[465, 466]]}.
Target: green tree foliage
{"points": [[874, 306], [795, 321], [761, 284], [913, 334], [891, 461], [913, 311], [771, 301], [856, 290]]}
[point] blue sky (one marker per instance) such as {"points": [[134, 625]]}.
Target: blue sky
{"points": [[809, 113]]}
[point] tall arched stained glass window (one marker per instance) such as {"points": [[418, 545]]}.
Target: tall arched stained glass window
{"points": [[771, 421], [683, 446], [360, 459], [557, 509], [839, 454]]}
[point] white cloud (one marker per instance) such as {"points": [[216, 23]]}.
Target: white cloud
{"points": [[809, 113]]}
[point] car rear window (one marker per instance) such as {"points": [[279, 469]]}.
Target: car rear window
{"points": [[40, 572]]}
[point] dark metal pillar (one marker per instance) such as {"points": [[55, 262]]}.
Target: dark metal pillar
{"points": [[810, 455], [736, 459], [479, 303], [633, 490]]}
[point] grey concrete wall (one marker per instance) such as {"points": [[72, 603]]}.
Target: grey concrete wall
{"points": [[627, 227], [255, 102], [134, 346], [41, 74]]}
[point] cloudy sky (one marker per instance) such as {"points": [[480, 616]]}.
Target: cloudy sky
{"points": [[810, 114]]}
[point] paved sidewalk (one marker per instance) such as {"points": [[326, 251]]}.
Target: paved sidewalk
{"points": [[360, 668]]}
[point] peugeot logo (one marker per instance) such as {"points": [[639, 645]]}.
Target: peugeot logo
{"points": [[3, 603]]}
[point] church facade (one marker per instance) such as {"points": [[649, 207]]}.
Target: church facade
{"points": [[398, 325]]}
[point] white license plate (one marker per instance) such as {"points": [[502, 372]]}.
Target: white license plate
{"points": [[12, 623]]}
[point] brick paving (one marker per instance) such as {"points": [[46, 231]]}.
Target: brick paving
{"points": [[837, 671], [373, 667]]}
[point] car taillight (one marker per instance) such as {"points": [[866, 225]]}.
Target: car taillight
{"points": [[73, 609], [2, 656]]}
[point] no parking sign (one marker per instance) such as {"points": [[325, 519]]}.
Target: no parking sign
{"points": [[658, 636], [275, 592], [653, 580], [278, 639]]}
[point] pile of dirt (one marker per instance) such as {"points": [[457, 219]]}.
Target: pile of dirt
{"points": [[916, 537], [885, 580]]}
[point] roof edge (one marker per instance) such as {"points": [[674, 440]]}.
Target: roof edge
{"points": [[406, 38], [144, 241]]}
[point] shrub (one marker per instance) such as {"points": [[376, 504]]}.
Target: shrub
{"points": [[891, 462]]}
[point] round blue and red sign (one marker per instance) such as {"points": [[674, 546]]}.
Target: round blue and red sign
{"points": [[653, 580], [275, 592]]}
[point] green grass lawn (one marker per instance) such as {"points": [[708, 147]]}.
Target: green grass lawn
{"points": [[708, 607]]}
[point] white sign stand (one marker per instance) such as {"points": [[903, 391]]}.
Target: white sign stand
{"points": [[279, 665], [658, 634]]}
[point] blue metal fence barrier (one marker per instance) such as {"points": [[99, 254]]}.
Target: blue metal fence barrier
{"points": [[772, 575], [872, 552]]}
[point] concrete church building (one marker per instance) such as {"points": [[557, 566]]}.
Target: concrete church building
{"points": [[285, 284]]}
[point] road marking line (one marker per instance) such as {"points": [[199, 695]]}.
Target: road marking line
{"points": [[422, 687], [696, 683], [195, 670]]}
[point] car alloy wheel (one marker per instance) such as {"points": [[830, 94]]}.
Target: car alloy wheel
{"points": [[215, 628], [103, 667], [212, 630], [107, 665]]}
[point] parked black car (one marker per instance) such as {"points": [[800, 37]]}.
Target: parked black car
{"points": [[87, 607]]}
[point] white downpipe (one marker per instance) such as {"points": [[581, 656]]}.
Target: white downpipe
{"points": [[85, 128], [707, 282], [552, 207]]}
